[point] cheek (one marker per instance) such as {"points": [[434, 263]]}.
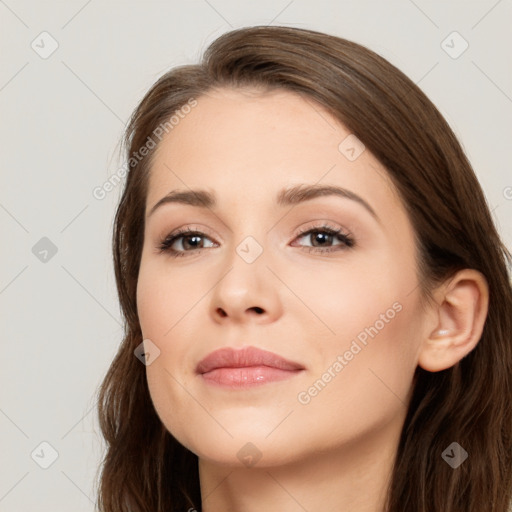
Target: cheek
{"points": [[359, 293], [166, 302], [164, 298], [365, 378], [368, 336]]}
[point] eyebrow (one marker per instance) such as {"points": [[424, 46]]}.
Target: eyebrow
{"points": [[286, 197]]}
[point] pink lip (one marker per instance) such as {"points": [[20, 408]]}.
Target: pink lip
{"points": [[245, 367]]}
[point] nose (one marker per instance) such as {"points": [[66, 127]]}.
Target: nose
{"points": [[254, 310], [246, 292]]}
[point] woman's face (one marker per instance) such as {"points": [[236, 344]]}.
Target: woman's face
{"points": [[342, 309]]}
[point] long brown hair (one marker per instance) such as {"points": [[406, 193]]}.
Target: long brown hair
{"points": [[145, 468]]}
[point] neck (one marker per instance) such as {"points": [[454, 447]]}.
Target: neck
{"points": [[351, 478]]}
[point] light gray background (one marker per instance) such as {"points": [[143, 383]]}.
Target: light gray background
{"points": [[61, 121]]}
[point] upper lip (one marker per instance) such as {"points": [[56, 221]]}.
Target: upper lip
{"points": [[248, 356]]}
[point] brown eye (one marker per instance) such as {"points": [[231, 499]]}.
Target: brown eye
{"points": [[184, 241], [323, 239]]}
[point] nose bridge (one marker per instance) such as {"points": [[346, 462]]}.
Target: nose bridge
{"points": [[250, 249], [249, 234], [247, 262]]}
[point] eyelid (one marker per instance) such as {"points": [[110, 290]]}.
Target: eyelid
{"points": [[323, 224], [339, 232], [190, 228], [344, 235], [315, 224], [165, 241]]}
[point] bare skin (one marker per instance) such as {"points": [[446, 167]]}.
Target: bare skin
{"points": [[323, 446]]}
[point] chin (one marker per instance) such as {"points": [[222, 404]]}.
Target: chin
{"points": [[249, 447]]}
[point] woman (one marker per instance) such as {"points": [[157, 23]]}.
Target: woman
{"points": [[318, 309]]}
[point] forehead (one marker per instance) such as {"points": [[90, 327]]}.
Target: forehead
{"points": [[254, 143]]}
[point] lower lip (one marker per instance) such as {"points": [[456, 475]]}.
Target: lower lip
{"points": [[248, 376]]}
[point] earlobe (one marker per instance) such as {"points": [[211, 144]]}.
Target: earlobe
{"points": [[460, 312]]}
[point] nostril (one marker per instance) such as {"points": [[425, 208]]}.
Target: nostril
{"points": [[258, 310]]}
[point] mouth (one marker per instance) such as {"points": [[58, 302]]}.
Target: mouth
{"points": [[245, 367]]}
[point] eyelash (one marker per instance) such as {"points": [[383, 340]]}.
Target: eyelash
{"points": [[165, 244]]}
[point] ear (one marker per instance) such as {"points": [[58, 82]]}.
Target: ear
{"points": [[459, 316]]}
